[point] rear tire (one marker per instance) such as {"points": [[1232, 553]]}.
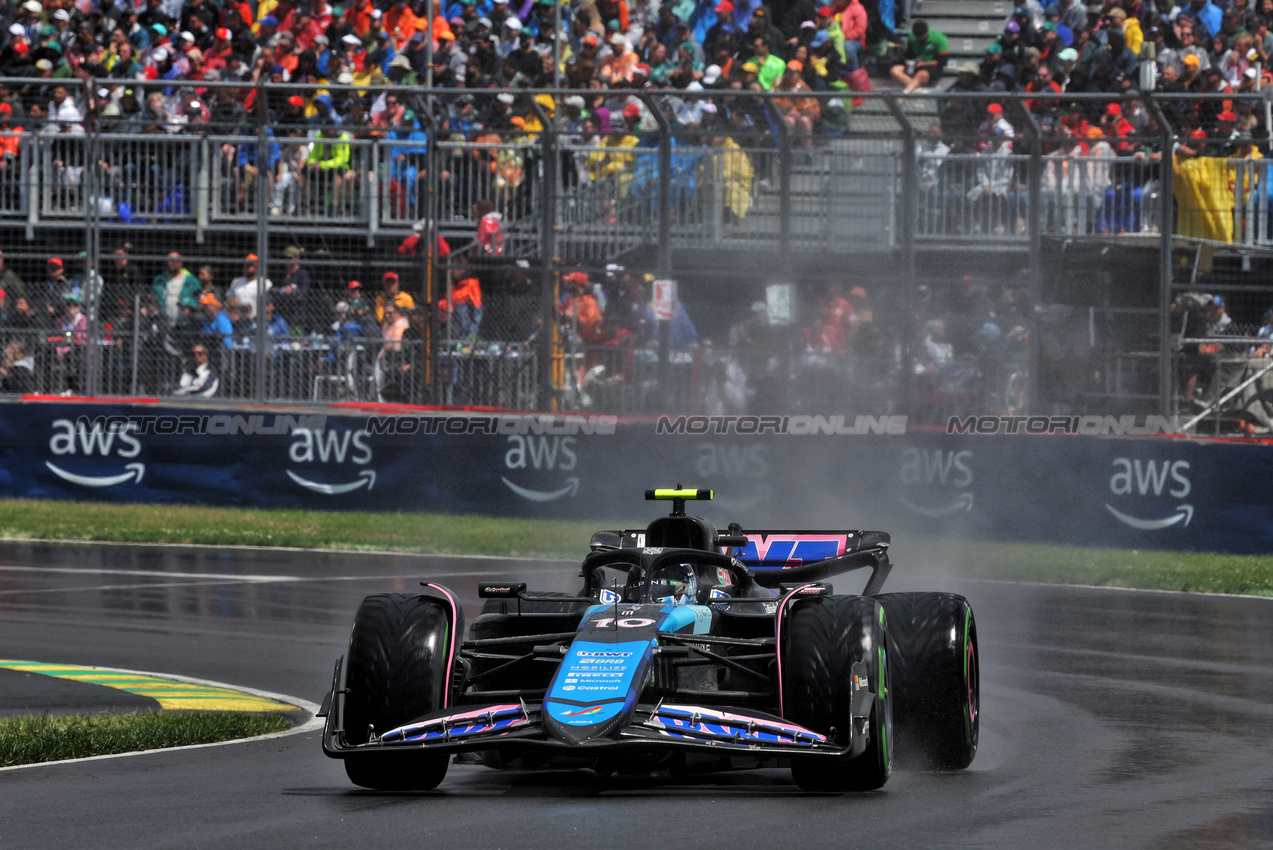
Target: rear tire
{"points": [[395, 671], [825, 637], [932, 643]]}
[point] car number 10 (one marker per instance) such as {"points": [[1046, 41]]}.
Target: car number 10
{"points": [[623, 623]]}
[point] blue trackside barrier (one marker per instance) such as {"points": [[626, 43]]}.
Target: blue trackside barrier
{"points": [[1158, 491]]}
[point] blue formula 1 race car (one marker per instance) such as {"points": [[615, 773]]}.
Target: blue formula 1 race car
{"points": [[685, 650]]}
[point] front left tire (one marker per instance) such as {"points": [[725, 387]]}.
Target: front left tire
{"points": [[395, 671]]}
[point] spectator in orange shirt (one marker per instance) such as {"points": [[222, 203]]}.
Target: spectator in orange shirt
{"points": [[799, 112], [8, 143], [466, 302], [579, 308], [1117, 128], [618, 66], [401, 23]]}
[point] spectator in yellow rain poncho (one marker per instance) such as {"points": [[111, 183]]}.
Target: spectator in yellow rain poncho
{"points": [[1205, 188], [616, 161], [736, 175]]}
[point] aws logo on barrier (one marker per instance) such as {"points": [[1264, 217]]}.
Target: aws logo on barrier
{"points": [[331, 446], [96, 439], [542, 454], [937, 480], [1151, 479], [730, 463]]}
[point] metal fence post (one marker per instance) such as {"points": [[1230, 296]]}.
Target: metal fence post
{"points": [[1034, 188], [262, 336], [91, 290], [1166, 228], [908, 222], [784, 188], [550, 144]]}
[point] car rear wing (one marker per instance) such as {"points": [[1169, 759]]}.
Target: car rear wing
{"points": [[775, 556]]}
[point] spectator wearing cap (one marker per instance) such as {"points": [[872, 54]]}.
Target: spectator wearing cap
{"points": [[74, 326], [1116, 128], [245, 289], [174, 286], [391, 293], [724, 25], [1026, 25], [292, 294], [1012, 46], [1064, 34], [216, 324], [997, 201], [359, 305], [1113, 64], [1066, 60], [800, 113], [924, 58], [988, 68], [617, 67]]}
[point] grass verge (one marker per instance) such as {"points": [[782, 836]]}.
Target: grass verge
{"points": [[39, 738], [401, 532], [1145, 569], [473, 535]]}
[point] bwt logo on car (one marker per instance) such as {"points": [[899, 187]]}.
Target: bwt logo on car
{"points": [[331, 446], [542, 454], [933, 471], [96, 439], [1144, 479]]}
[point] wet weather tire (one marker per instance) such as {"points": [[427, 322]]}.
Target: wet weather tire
{"points": [[395, 671], [824, 638], [932, 643]]}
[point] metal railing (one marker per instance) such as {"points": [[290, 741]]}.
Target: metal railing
{"points": [[568, 198]]}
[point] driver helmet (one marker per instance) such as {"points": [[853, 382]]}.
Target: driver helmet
{"points": [[674, 584]]}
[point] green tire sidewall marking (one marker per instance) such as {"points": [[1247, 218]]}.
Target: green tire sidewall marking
{"points": [[967, 712], [886, 716]]}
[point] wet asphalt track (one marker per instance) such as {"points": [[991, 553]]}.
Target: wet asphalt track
{"points": [[1110, 719]]}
